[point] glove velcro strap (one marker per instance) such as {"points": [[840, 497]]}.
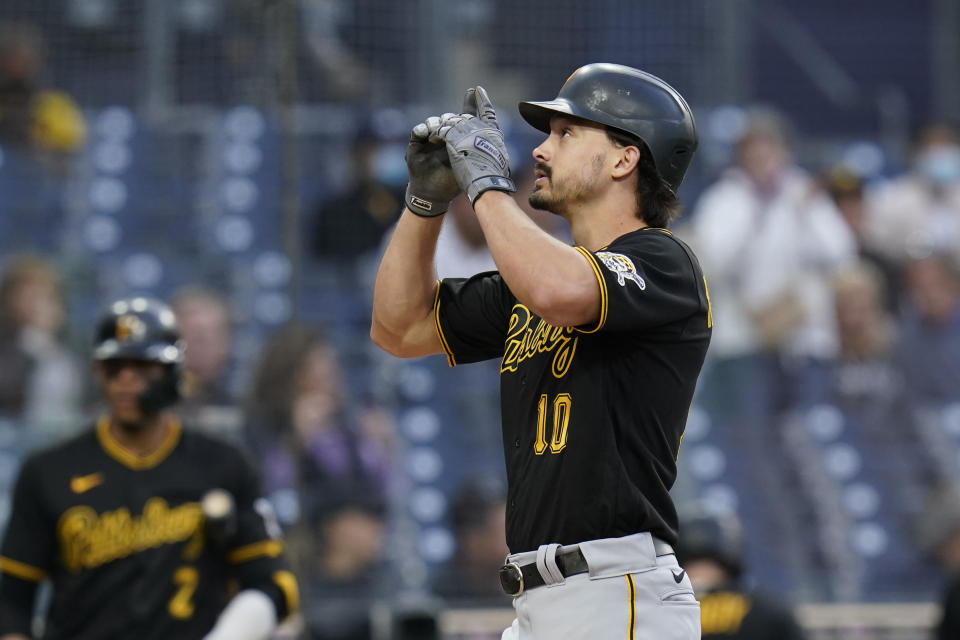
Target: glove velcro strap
{"points": [[486, 183], [424, 207]]}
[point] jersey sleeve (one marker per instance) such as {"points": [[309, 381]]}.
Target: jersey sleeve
{"points": [[646, 280], [27, 552], [256, 550], [29, 546], [472, 317]]}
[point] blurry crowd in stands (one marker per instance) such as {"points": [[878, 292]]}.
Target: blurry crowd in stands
{"points": [[828, 288]]}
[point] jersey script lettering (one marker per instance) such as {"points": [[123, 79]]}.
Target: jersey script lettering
{"points": [[89, 540], [524, 341]]}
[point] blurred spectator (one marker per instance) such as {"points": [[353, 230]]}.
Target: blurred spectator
{"points": [[31, 116], [204, 320], [711, 550], [343, 562], [40, 381], [462, 248], [920, 210], [309, 433], [769, 240], [846, 188], [354, 221], [327, 467], [863, 374], [929, 349], [478, 518]]}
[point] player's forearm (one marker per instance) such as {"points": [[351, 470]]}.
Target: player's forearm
{"points": [[551, 278], [14, 636], [403, 294]]}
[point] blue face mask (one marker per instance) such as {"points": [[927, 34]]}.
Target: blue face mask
{"points": [[388, 166], [940, 165]]}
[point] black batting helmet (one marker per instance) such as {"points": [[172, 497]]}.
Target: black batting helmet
{"points": [[632, 101], [143, 329], [714, 537]]}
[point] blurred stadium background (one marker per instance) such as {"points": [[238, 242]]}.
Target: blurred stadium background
{"points": [[220, 144]]}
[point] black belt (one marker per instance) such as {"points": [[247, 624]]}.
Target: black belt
{"points": [[516, 578]]}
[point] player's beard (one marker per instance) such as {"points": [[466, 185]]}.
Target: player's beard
{"points": [[557, 196]]}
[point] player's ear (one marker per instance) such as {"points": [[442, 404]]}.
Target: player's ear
{"points": [[626, 160]]}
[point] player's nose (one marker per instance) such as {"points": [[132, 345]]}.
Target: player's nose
{"points": [[540, 152]]}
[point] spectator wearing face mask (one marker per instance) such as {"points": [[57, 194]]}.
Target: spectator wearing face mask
{"points": [[352, 221], [919, 211]]}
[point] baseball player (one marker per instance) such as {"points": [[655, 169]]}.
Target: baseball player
{"points": [[600, 344], [142, 526], [711, 550]]}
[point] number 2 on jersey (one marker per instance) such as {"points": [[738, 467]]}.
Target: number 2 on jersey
{"points": [[561, 420], [181, 604]]}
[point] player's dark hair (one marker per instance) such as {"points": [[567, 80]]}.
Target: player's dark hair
{"points": [[657, 204]]}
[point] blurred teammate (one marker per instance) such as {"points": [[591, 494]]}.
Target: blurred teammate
{"points": [[600, 344], [710, 550], [143, 527]]}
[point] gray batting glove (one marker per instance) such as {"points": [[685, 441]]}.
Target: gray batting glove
{"points": [[432, 183], [475, 144]]}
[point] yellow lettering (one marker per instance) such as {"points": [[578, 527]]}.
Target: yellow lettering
{"points": [[523, 342], [88, 540]]}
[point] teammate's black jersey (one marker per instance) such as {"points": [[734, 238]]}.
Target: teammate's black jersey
{"points": [[592, 416], [124, 542], [730, 614]]}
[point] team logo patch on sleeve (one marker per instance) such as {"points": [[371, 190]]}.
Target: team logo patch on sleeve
{"points": [[623, 267]]}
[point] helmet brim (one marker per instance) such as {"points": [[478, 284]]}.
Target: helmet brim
{"points": [[538, 114]]}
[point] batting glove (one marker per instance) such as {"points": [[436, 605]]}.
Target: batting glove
{"points": [[478, 154], [432, 183]]}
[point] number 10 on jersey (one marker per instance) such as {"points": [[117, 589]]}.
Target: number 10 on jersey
{"points": [[559, 410]]}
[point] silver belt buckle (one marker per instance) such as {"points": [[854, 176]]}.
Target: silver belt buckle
{"points": [[511, 579]]}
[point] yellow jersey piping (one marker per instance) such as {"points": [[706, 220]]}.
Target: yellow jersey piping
{"points": [[443, 339], [21, 570], [592, 260], [129, 459], [264, 548]]}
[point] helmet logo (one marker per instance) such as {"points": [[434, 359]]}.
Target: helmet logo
{"points": [[130, 327]]}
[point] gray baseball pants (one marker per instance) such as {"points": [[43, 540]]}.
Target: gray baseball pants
{"points": [[629, 593]]}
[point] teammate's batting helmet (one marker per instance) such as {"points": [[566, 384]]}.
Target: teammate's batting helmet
{"points": [[143, 329], [711, 536], [629, 100]]}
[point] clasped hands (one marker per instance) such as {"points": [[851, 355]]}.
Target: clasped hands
{"points": [[457, 152]]}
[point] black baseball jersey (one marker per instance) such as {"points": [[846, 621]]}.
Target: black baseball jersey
{"points": [[730, 614], [593, 415], [125, 542], [948, 628]]}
